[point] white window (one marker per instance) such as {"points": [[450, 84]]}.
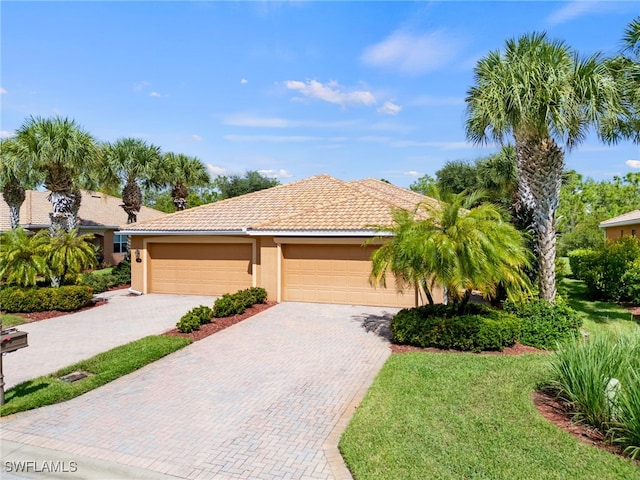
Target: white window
{"points": [[119, 243]]}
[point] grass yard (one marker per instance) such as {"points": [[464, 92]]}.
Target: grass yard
{"points": [[9, 320], [104, 368], [598, 317], [462, 416]]}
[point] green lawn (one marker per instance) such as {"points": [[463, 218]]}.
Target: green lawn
{"points": [[470, 416], [598, 317], [9, 320], [104, 368], [463, 416]]}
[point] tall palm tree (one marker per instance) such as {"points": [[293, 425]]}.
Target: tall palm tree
{"points": [[23, 256], [461, 249], [63, 153], [130, 161], [181, 173], [16, 175], [540, 93]]}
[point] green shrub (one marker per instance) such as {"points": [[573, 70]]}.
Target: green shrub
{"points": [[630, 282], [227, 305], [26, 300], [545, 323], [122, 272], [203, 313], [626, 429], [188, 323], [99, 283], [580, 261], [479, 328]]}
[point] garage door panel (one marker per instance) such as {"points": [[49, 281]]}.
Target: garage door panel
{"points": [[335, 274], [199, 269]]}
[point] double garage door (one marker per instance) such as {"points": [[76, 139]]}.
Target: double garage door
{"points": [[309, 273]]}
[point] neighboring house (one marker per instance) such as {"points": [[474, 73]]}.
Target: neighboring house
{"points": [[99, 214], [627, 224], [302, 241]]}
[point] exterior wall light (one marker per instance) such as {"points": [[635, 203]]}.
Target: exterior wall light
{"points": [[138, 259]]}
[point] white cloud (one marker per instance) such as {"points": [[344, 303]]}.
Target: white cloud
{"points": [[156, 94], [3, 91], [138, 86], [271, 138], [332, 92], [412, 173], [195, 137], [244, 81], [275, 173], [374, 139], [570, 11], [389, 108], [215, 170], [6, 134], [243, 120], [440, 145], [632, 163], [412, 54]]}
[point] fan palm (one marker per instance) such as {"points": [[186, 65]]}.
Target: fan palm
{"points": [[540, 93], [64, 154], [23, 256], [129, 162], [458, 248], [182, 172]]}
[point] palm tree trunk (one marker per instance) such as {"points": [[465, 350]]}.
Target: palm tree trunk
{"points": [[14, 195], [75, 207], [541, 163], [62, 203]]}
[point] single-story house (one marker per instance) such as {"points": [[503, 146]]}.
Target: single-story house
{"points": [[626, 224], [99, 214], [302, 241]]}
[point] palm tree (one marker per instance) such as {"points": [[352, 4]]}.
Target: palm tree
{"points": [[15, 177], [461, 249], [23, 256], [131, 161], [68, 253], [181, 173], [541, 93], [64, 154]]}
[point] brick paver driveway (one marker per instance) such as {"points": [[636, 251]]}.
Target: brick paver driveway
{"points": [[264, 399]]}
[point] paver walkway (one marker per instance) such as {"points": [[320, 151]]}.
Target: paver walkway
{"points": [[265, 399], [58, 342]]}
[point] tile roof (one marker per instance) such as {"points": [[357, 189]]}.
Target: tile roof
{"points": [[96, 210], [319, 203], [624, 219]]}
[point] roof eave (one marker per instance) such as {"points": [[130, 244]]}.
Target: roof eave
{"points": [[319, 233], [622, 223], [182, 232]]}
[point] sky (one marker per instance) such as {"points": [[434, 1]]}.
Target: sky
{"points": [[291, 89]]}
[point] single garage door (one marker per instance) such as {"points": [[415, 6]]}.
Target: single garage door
{"points": [[199, 269], [335, 274]]}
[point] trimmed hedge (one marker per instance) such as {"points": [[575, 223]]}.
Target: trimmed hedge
{"points": [[225, 306], [27, 300], [479, 328], [544, 323]]}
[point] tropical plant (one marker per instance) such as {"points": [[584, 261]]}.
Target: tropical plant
{"points": [[15, 176], [462, 250], [183, 172], [23, 256], [66, 156], [68, 253], [541, 94], [130, 161]]}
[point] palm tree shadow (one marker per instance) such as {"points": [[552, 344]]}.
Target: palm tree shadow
{"points": [[378, 324]]}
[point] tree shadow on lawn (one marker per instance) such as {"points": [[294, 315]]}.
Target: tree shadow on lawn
{"points": [[599, 312]]}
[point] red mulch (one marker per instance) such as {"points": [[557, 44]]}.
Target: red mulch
{"points": [[515, 349], [218, 324]]}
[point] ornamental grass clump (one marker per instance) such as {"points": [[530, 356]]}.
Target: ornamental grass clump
{"points": [[600, 381]]}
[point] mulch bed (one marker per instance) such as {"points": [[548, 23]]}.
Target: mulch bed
{"points": [[515, 349], [218, 324]]}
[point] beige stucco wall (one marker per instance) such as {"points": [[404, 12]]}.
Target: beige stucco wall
{"points": [[627, 230]]}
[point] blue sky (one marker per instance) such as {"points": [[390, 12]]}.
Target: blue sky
{"points": [[291, 89]]}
